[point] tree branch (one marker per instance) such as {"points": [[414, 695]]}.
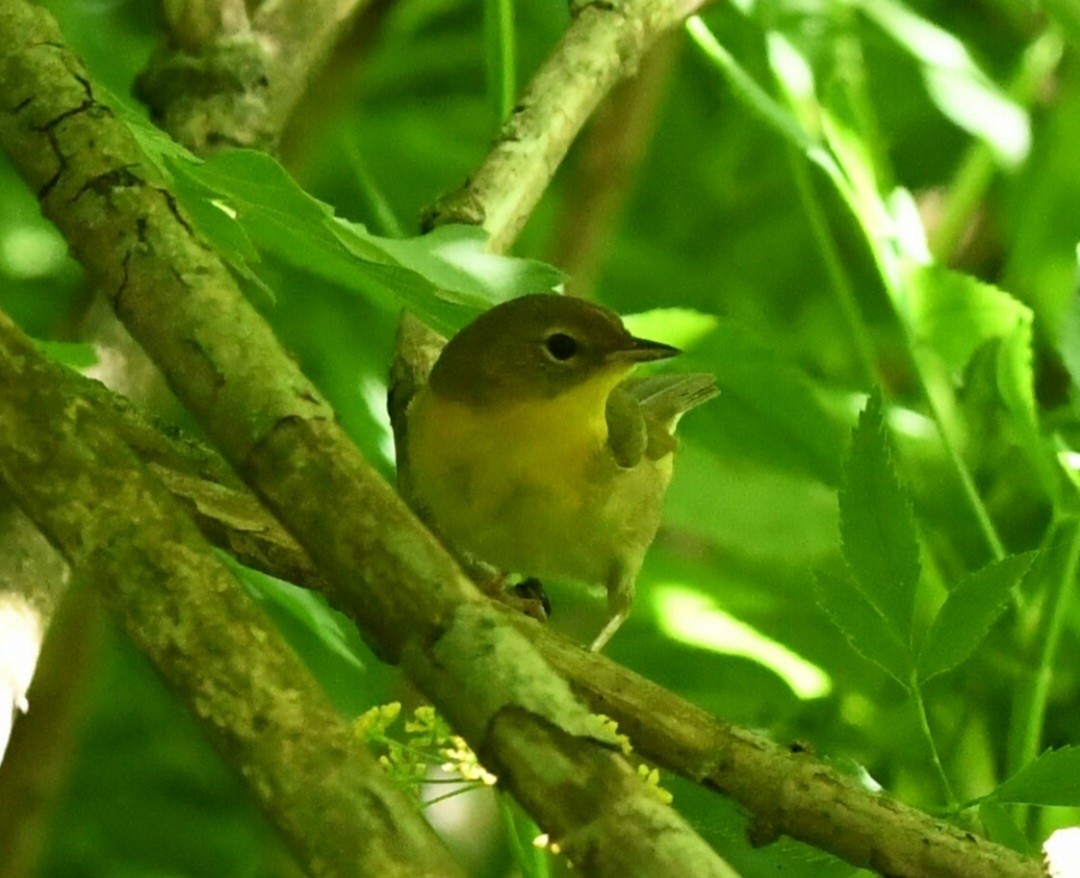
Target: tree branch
{"points": [[409, 598], [118, 529], [786, 790], [604, 44]]}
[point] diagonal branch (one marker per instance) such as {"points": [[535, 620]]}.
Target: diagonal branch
{"points": [[604, 44], [408, 596], [119, 530]]}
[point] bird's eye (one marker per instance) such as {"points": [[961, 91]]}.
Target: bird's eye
{"points": [[561, 346]]}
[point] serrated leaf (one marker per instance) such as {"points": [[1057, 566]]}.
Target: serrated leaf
{"points": [[967, 614], [1016, 377], [877, 526], [766, 410], [956, 315], [862, 625], [1051, 779]]}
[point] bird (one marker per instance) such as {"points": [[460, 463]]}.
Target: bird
{"points": [[533, 450]]}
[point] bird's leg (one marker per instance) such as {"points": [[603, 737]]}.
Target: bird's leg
{"points": [[620, 589], [608, 630]]}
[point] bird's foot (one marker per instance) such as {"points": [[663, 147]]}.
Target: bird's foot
{"points": [[526, 597], [533, 599]]}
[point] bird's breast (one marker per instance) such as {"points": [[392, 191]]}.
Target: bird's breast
{"points": [[522, 487]]}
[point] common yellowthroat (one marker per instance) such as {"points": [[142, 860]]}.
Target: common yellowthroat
{"points": [[531, 450]]}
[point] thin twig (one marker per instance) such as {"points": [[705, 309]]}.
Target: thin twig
{"points": [[604, 44]]}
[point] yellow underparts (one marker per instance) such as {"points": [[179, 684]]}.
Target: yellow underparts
{"points": [[531, 487]]}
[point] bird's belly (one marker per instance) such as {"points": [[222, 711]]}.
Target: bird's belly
{"points": [[520, 494]]}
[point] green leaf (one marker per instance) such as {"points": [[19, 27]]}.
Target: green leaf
{"points": [[455, 258], [766, 410], [76, 355], [1051, 779], [244, 202], [1016, 379], [967, 614], [332, 630], [954, 314], [751, 95], [158, 146], [1069, 342], [877, 526], [862, 625], [681, 327]]}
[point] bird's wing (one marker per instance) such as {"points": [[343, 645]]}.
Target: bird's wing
{"points": [[628, 434], [642, 413]]}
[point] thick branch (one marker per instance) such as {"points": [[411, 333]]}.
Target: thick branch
{"points": [[409, 598], [604, 44], [120, 531]]}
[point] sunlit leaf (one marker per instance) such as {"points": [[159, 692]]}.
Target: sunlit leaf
{"points": [[955, 82], [954, 314], [681, 327], [335, 633], [1001, 827], [1069, 342], [74, 354], [245, 202]]}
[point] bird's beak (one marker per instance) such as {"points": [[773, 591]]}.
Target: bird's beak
{"points": [[643, 351]]}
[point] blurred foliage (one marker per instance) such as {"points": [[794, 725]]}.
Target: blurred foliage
{"points": [[901, 596]]}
